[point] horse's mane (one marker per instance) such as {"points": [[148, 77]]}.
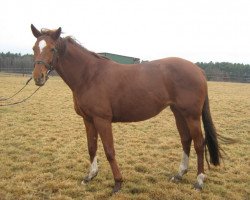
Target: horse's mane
{"points": [[62, 45]]}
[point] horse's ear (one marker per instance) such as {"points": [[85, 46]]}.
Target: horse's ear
{"points": [[55, 35], [35, 32]]}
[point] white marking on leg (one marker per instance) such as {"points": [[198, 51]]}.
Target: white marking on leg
{"points": [[41, 45], [184, 164], [93, 168], [182, 169], [200, 179]]}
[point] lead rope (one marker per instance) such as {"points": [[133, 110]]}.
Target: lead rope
{"points": [[5, 99], [18, 102]]}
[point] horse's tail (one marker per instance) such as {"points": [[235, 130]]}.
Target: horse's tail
{"points": [[211, 140]]}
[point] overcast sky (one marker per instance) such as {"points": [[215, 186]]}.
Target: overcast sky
{"points": [[197, 30]]}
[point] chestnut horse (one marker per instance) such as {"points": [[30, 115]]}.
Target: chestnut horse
{"points": [[105, 92]]}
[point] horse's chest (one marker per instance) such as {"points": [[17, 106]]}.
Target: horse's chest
{"points": [[78, 108]]}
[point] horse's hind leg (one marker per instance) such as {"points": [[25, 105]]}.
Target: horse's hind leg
{"points": [[104, 129], [185, 141], [194, 125], [92, 137]]}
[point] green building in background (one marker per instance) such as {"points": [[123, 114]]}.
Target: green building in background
{"points": [[121, 59]]}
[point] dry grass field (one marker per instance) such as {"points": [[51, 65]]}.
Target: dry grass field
{"points": [[43, 151]]}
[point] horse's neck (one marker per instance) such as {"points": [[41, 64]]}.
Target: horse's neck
{"points": [[76, 67]]}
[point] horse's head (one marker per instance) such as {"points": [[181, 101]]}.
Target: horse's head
{"points": [[44, 53]]}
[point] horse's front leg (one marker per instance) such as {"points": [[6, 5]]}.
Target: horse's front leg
{"points": [[104, 128], [92, 137]]}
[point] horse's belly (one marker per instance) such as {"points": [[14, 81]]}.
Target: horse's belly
{"points": [[137, 113]]}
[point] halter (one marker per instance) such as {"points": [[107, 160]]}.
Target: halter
{"points": [[48, 66]]}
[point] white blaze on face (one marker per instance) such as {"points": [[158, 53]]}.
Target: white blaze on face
{"points": [[41, 45]]}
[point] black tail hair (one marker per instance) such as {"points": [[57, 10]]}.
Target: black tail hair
{"points": [[211, 140]]}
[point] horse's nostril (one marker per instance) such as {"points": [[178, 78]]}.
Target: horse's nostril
{"points": [[38, 80]]}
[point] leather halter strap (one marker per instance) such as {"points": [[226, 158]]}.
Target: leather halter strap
{"points": [[47, 65]]}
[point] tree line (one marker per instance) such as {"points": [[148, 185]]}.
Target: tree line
{"points": [[16, 63], [215, 71], [225, 71]]}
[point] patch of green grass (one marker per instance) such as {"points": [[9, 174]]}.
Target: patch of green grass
{"points": [[43, 149]]}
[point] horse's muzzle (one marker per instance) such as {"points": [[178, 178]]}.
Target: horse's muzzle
{"points": [[40, 81]]}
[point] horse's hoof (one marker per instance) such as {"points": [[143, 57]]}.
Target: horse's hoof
{"points": [[117, 187], [198, 187], [176, 179], [87, 179]]}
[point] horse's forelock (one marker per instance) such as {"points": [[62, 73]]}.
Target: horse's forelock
{"points": [[48, 32]]}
